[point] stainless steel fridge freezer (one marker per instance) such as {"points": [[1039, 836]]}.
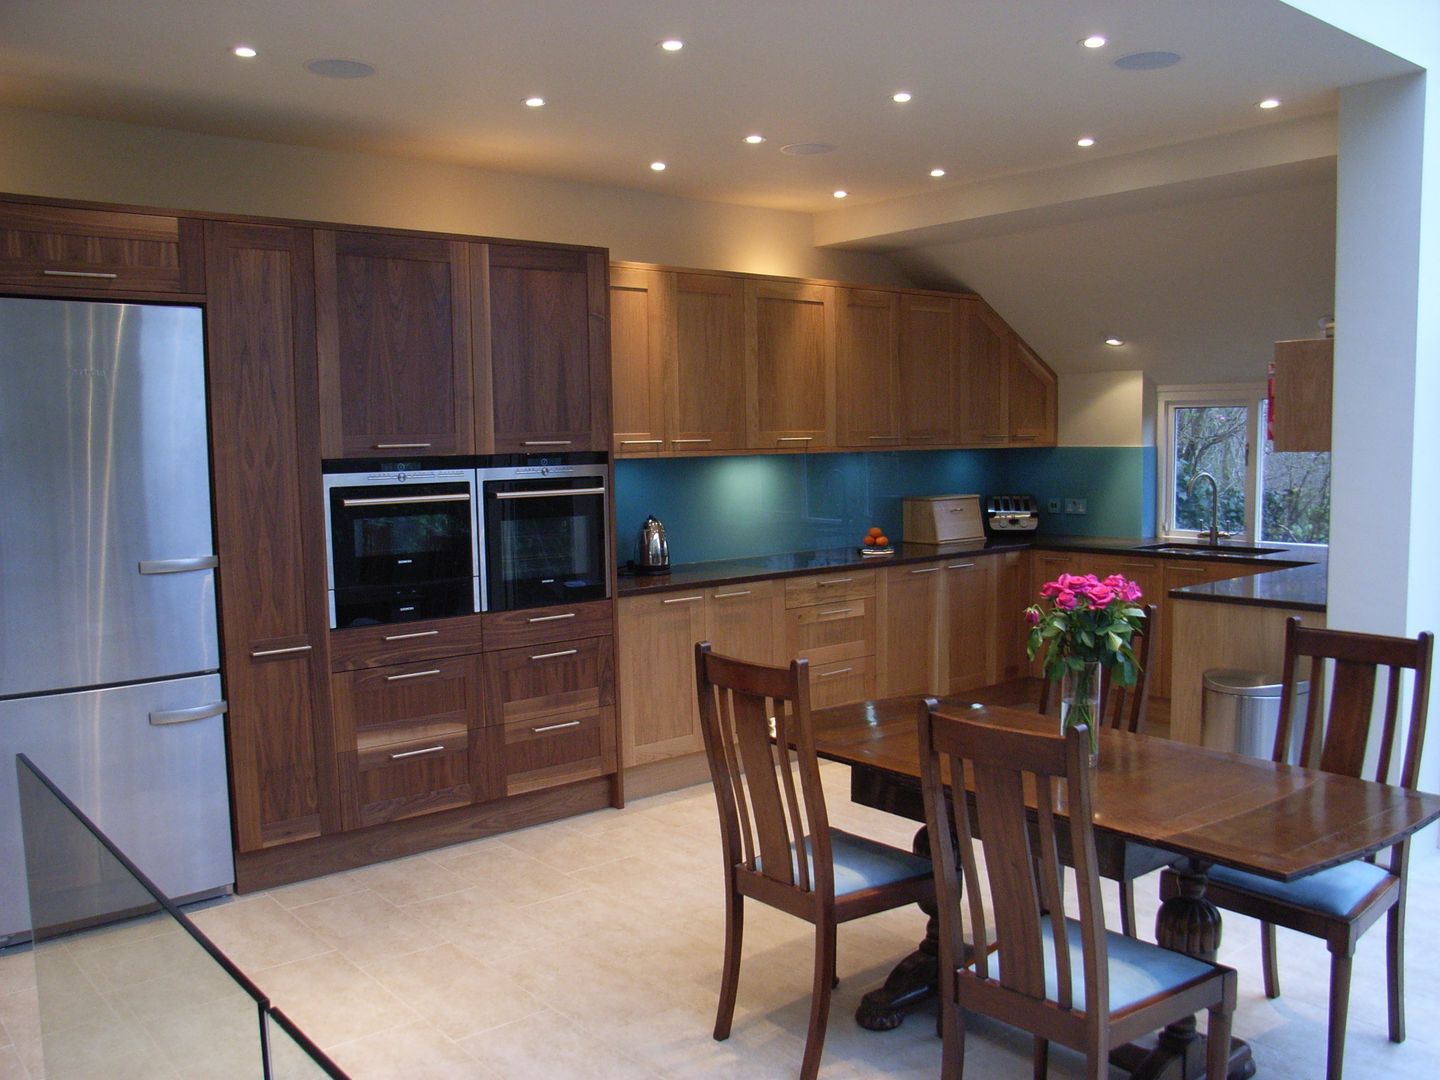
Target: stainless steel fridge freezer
{"points": [[107, 584]]}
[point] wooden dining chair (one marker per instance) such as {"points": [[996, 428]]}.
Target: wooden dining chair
{"points": [[772, 809], [1123, 708], [1063, 980], [1341, 903]]}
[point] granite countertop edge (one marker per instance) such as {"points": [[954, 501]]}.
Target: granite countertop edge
{"points": [[1297, 583]]}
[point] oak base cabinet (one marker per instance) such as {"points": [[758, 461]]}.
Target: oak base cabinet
{"points": [[656, 666]]}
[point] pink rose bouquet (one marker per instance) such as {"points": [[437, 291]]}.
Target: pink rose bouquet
{"points": [[1089, 620]]}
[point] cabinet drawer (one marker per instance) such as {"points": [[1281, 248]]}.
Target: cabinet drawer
{"points": [[403, 643], [380, 706], [560, 676], [402, 780], [99, 250], [553, 750], [822, 588], [842, 682], [828, 632], [534, 626]]}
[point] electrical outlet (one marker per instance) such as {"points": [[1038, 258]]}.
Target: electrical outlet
{"points": [[1080, 506], [1054, 506], [1070, 506]]}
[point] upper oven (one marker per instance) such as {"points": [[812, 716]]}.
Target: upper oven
{"points": [[401, 542], [546, 530]]}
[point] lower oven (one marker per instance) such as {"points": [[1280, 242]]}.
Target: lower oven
{"points": [[546, 529], [401, 541]]}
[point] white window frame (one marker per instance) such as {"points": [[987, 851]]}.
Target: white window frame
{"points": [[1167, 400]]}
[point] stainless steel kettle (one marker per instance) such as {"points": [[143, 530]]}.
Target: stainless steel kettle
{"points": [[654, 551]]}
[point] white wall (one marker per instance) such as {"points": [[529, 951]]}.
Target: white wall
{"points": [[80, 158], [1106, 408]]}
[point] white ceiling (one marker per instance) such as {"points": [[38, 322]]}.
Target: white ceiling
{"points": [[1000, 86]]}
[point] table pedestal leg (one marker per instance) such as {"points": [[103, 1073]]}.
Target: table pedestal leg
{"points": [[913, 979], [1190, 924]]}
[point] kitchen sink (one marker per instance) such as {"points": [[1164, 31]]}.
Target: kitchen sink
{"points": [[1200, 547]]}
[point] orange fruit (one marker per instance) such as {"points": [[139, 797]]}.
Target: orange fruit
{"points": [[875, 531], [882, 541]]}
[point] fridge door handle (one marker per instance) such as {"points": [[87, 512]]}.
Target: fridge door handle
{"points": [[184, 716], [179, 566]]}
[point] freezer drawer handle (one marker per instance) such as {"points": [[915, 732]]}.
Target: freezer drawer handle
{"points": [[179, 566], [255, 653], [184, 716]]}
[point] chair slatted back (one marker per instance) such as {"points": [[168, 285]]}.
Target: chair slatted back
{"points": [[771, 804], [1025, 884], [1123, 708], [1344, 669]]}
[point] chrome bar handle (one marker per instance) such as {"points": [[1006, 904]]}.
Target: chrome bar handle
{"points": [[185, 716], [961, 566], [796, 438], [836, 581], [927, 570], [549, 493], [412, 675], [416, 753], [254, 653], [692, 440], [837, 671], [554, 655], [838, 611], [738, 592], [460, 497], [551, 618], [547, 442], [101, 274], [417, 633], [682, 600], [400, 446], [179, 566], [555, 727], [642, 442]]}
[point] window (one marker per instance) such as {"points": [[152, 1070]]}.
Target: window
{"points": [[1275, 497]]}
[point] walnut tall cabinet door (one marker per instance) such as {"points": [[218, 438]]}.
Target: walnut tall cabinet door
{"points": [[270, 532], [789, 365], [393, 325]]}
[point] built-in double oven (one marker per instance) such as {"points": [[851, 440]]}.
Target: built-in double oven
{"points": [[427, 539]]}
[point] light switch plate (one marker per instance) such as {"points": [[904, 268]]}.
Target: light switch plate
{"points": [[1054, 506]]}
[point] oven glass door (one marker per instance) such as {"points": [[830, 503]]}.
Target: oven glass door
{"points": [[393, 535], [545, 541]]}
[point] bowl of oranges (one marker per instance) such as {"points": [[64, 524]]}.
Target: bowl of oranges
{"points": [[876, 543]]}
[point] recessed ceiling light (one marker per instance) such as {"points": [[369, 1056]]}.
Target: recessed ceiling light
{"points": [[1086, 141], [901, 96], [841, 194], [804, 149], [754, 140], [937, 173], [244, 52], [340, 69], [1270, 103], [535, 102], [1114, 342], [672, 44], [1094, 41], [658, 166]]}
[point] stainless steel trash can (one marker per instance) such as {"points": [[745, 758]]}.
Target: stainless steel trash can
{"points": [[1241, 711]]}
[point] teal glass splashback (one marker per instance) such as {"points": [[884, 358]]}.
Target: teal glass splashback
{"points": [[736, 507]]}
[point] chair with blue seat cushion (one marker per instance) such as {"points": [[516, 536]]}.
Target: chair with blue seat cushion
{"points": [[772, 807], [1341, 903], [1049, 973]]}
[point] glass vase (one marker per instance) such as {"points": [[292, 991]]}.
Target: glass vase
{"points": [[1080, 703]]}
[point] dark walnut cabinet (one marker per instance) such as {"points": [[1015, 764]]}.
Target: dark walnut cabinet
{"points": [[393, 322], [431, 346], [269, 531]]}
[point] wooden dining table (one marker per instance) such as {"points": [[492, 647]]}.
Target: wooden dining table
{"points": [[1156, 802]]}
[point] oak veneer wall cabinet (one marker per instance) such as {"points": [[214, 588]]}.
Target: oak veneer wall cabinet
{"points": [[1304, 381], [707, 361], [430, 345]]}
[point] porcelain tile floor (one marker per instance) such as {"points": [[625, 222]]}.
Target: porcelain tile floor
{"points": [[591, 948]]}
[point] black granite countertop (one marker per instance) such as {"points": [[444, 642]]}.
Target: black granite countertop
{"points": [[1298, 580]]}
